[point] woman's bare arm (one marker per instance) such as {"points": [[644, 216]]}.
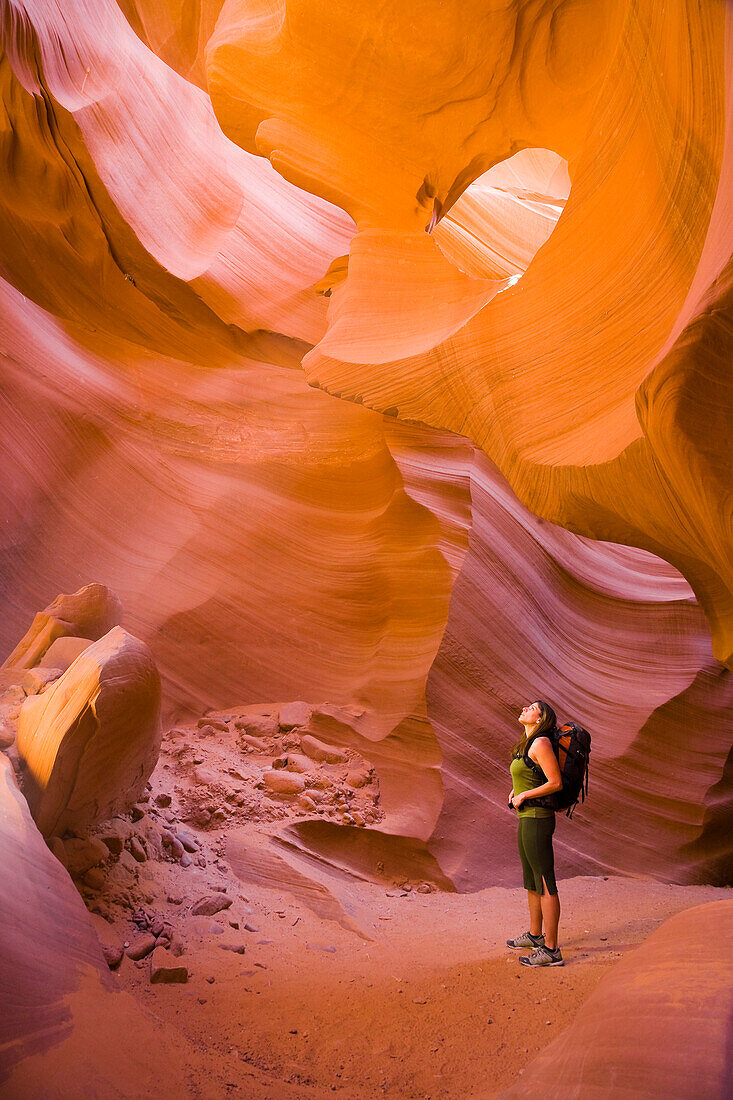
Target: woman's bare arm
{"points": [[543, 754]]}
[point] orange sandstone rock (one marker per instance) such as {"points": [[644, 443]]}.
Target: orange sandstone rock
{"points": [[88, 613], [89, 743]]}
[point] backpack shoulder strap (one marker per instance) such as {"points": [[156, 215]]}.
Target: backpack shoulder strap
{"points": [[528, 759]]}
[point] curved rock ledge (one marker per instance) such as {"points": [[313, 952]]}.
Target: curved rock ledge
{"points": [[658, 1026]]}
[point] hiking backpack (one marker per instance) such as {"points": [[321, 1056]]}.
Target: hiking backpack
{"points": [[571, 744]]}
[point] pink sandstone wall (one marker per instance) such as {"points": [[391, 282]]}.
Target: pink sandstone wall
{"points": [[320, 453]]}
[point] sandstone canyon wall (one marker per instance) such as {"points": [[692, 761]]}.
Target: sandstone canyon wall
{"points": [[347, 406]]}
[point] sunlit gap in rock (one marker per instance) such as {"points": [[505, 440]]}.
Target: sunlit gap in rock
{"points": [[501, 221]]}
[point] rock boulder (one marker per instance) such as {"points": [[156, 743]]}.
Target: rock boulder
{"points": [[88, 744], [88, 613]]}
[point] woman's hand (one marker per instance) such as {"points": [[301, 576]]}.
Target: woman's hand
{"points": [[518, 799]]}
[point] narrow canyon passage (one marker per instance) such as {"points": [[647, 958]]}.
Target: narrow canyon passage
{"points": [[364, 383]]}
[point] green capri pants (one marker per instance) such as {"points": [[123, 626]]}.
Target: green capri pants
{"points": [[536, 854]]}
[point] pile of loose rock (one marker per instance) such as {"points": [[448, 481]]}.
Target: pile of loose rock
{"points": [[264, 765]]}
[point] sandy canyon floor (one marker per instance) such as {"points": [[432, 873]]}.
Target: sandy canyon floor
{"points": [[409, 993], [434, 1006]]}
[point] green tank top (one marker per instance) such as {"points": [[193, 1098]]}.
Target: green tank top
{"points": [[524, 779]]}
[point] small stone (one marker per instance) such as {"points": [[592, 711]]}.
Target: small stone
{"points": [[174, 899], [211, 980], [358, 778], [185, 860], [297, 762], [294, 714], [176, 849], [114, 843], [237, 948], [137, 814], [424, 888], [257, 726], [56, 845], [94, 879], [141, 946], [189, 842], [36, 679], [137, 849], [210, 904], [320, 751], [112, 955], [80, 855], [284, 782], [165, 968], [215, 724], [250, 928], [256, 744], [128, 862], [7, 736], [162, 800]]}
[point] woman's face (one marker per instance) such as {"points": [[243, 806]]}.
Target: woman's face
{"points": [[530, 715]]}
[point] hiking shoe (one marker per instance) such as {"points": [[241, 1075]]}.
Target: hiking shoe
{"points": [[543, 956], [527, 940]]}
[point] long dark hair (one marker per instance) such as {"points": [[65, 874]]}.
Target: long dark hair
{"points": [[545, 727]]}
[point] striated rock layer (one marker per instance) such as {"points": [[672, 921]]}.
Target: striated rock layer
{"points": [[614, 639], [658, 1026], [212, 216]]}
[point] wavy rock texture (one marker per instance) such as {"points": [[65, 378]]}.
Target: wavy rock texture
{"points": [[88, 743], [633, 278], [213, 206], [613, 637], [659, 1025]]}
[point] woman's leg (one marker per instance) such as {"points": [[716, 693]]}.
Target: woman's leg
{"points": [[537, 840], [535, 912], [550, 904]]}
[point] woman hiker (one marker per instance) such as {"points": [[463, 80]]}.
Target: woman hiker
{"points": [[536, 826]]}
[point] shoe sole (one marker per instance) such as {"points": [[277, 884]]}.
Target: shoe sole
{"points": [[535, 966]]}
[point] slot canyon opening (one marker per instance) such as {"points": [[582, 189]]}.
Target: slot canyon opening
{"points": [[497, 226]]}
